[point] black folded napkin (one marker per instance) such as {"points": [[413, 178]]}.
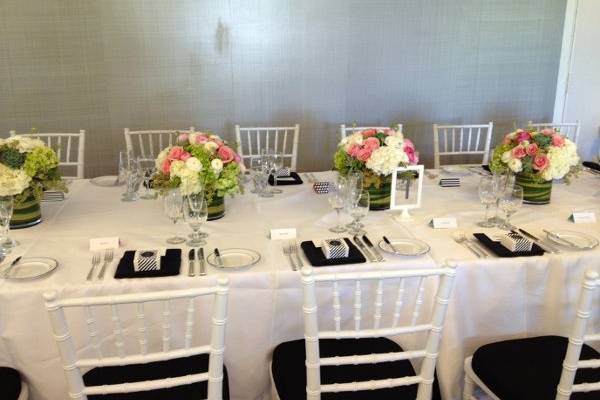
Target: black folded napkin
{"points": [[169, 265], [317, 258], [498, 249], [486, 167], [293, 179], [592, 165]]}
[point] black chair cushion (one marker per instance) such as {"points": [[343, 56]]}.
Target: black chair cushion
{"points": [[155, 370], [10, 383], [289, 371], [526, 369]]}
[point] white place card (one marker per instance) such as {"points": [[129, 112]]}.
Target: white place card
{"points": [[97, 244], [584, 217], [283, 233], [444, 223]]}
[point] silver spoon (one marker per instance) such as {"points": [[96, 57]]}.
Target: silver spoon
{"points": [[461, 238]]}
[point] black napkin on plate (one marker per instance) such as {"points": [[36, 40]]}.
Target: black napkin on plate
{"points": [[498, 249], [170, 264], [317, 258], [592, 165], [293, 179]]}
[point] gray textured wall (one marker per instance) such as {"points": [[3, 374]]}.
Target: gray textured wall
{"points": [[103, 65]]}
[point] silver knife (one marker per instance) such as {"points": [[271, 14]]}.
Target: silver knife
{"points": [[218, 256], [537, 241], [564, 240], [385, 239], [373, 248], [364, 249], [191, 257], [201, 260], [12, 264]]}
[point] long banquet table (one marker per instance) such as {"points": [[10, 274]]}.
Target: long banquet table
{"points": [[493, 298]]}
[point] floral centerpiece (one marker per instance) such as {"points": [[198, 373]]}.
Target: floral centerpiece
{"points": [[200, 161], [27, 168], [375, 153], [536, 157]]}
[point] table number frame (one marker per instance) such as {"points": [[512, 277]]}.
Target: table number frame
{"points": [[420, 170]]}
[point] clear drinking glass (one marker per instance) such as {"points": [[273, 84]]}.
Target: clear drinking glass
{"points": [[255, 167], [358, 211], [263, 179], [173, 208], [354, 187], [124, 157], [511, 201], [488, 195], [148, 169], [6, 211], [133, 180], [276, 165], [195, 212], [501, 183], [337, 198]]}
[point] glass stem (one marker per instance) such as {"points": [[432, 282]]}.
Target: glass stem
{"points": [[337, 212], [487, 209]]}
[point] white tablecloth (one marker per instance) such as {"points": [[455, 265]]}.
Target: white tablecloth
{"points": [[492, 299]]}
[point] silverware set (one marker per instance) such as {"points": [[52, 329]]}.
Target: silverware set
{"points": [[292, 251], [545, 246], [192, 262], [108, 258], [367, 248], [461, 238]]}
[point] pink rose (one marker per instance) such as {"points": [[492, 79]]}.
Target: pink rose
{"points": [[353, 150], [540, 162], [218, 142], [408, 143], [166, 167], [185, 156], [183, 137], [237, 158], [558, 140], [363, 154], [522, 136], [507, 139], [532, 149], [226, 154], [369, 133], [371, 143], [548, 131], [519, 152], [175, 153], [413, 156], [201, 139]]}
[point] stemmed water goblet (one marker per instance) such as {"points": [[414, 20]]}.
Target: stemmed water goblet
{"points": [[6, 211], [195, 212], [276, 165], [488, 195], [173, 208], [511, 201], [148, 169], [337, 198], [359, 210]]}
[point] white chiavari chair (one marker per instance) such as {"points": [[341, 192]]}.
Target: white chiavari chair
{"points": [[530, 368], [12, 384], [359, 361], [184, 371], [465, 140], [68, 155], [250, 141], [349, 130], [569, 129], [146, 145]]}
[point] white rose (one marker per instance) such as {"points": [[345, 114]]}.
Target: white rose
{"points": [[515, 165], [216, 165], [506, 156], [192, 137], [394, 141], [177, 168], [13, 181], [193, 164], [25, 144], [211, 147], [214, 137]]}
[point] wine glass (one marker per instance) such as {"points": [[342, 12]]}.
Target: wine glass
{"points": [[354, 182], [148, 169], [510, 202], [358, 211], [173, 208], [337, 198], [502, 181], [276, 165], [488, 194], [133, 179], [195, 212], [6, 211]]}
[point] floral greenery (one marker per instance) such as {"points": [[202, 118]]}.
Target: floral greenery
{"points": [[28, 167]]}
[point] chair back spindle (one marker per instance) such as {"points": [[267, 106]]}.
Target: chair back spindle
{"points": [[466, 140], [250, 141], [146, 145], [349, 130]]}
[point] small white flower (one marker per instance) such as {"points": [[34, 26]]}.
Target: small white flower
{"points": [[394, 141], [13, 181], [177, 168], [211, 147], [515, 165], [193, 164], [506, 156], [217, 165], [192, 137]]}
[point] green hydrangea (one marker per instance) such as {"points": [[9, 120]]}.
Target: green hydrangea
{"points": [[496, 164], [40, 163]]}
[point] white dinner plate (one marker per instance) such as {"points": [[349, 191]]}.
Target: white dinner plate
{"points": [[456, 170], [105, 181], [405, 247], [234, 258], [32, 268], [573, 240]]}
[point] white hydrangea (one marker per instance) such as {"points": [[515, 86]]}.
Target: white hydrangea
{"points": [[193, 164], [515, 165], [396, 134], [177, 168], [216, 165], [162, 156], [352, 139], [561, 160], [13, 181], [506, 156], [385, 159], [25, 144], [395, 141]]}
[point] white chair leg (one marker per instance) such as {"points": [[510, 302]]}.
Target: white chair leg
{"points": [[24, 391], [468, 388]]}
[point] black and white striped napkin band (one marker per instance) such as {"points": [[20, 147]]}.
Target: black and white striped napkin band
{"points": [[283, 172], [335, 248], [515, 242], [450, 182], [322, 187]]}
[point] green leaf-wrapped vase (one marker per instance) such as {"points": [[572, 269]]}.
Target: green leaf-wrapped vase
{"points": [[26, 213], [534, 191]]}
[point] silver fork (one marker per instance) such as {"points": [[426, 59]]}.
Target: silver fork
{"points": [[95, 263], [108, 257], [287, 250], [296, 252]]}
